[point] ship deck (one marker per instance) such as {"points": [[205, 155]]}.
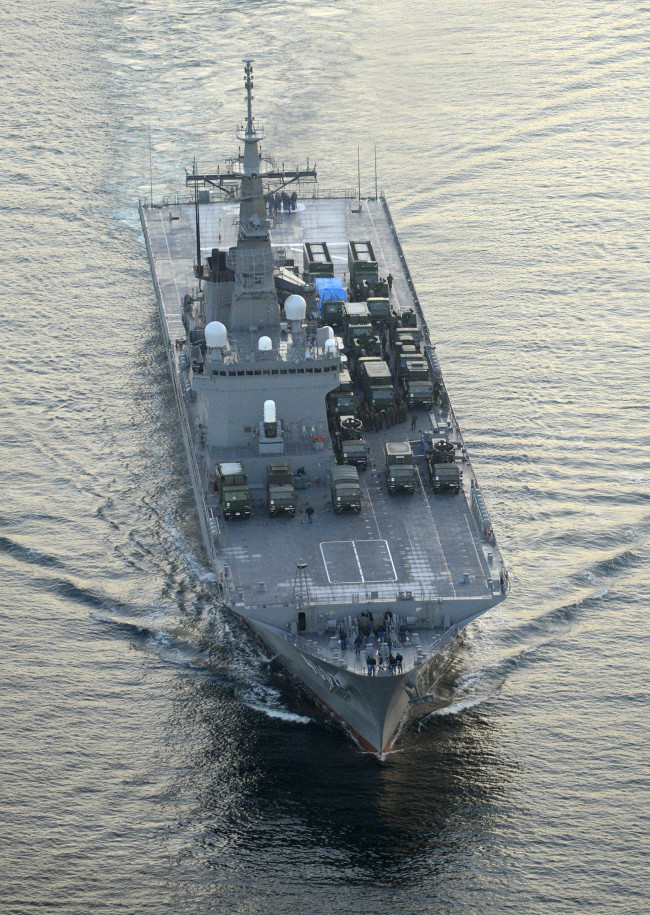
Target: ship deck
{"points": [[416, 548]]}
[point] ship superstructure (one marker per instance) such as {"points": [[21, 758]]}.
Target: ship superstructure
{"points": [[335, 494]]}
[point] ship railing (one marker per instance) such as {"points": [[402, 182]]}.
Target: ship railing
{"points": [[405, 268], [333, 193], [183, 199], [349, 659], [240, 356], [208, 519]]}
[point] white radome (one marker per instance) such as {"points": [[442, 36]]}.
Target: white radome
{"points": [[264, 344], [295, 308], [216, 334], [269, 411]]}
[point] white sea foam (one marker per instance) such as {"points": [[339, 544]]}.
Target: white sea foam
{"points": [[283, 714]]}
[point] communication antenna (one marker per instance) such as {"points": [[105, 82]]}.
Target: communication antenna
{"points": [[376, 191], [150, 166], [359, 171], [248, 82], [199, 269]]}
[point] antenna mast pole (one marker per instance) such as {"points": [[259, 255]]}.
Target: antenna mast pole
{"points": [[150, 167], [199, 268], [376, 191], [359, 172]]}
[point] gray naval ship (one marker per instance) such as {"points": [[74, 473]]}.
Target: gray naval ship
{"points": [[335, 494]]}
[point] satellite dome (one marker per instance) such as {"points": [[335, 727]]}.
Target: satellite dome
{"points": [[264, 344], [295, 308], [330, 346], [216, 334], [269, 411]]}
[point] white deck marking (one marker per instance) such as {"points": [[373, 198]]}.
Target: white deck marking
{"points": [[382, 554], [356, 556]]}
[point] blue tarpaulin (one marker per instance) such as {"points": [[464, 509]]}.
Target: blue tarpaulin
{"points": [[330, 288]]}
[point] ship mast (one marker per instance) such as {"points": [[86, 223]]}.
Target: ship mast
{"points": [[254, 306]]}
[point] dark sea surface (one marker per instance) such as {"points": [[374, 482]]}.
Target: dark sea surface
{"points": [[150, 760]]}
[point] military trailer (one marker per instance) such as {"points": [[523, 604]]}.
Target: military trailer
{"points": [[403, 336], [232, 486], [331, 300], [350, 446], [404, 352], [316, 259], [377, 382], [345, 488], [400, 469], [280, 492]]}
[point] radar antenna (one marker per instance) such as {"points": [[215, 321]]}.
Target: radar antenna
{"points": [[229, 182], [248, 82]]}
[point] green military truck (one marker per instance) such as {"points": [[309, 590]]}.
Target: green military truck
{"points": [[341, 401], [379, 309], [377, 382], [331, 300], [361, 340], [360, 336], [355, 313], [444, 473], [232, 486], [417, 384], [404, 336], [444, 477], [350, 446], [400, 469], [280, 494], [364, 272], [345, 488], [316, 259]]}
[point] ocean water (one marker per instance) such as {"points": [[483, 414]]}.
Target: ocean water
{"points": [[150, 759]]}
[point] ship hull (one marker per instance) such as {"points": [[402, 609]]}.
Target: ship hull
{"points": [[371, 709]]}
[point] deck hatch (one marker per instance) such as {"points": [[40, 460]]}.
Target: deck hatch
{"points": [[350, 562]]}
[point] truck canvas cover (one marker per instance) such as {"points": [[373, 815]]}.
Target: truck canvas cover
{"points": [[330, 289]]}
